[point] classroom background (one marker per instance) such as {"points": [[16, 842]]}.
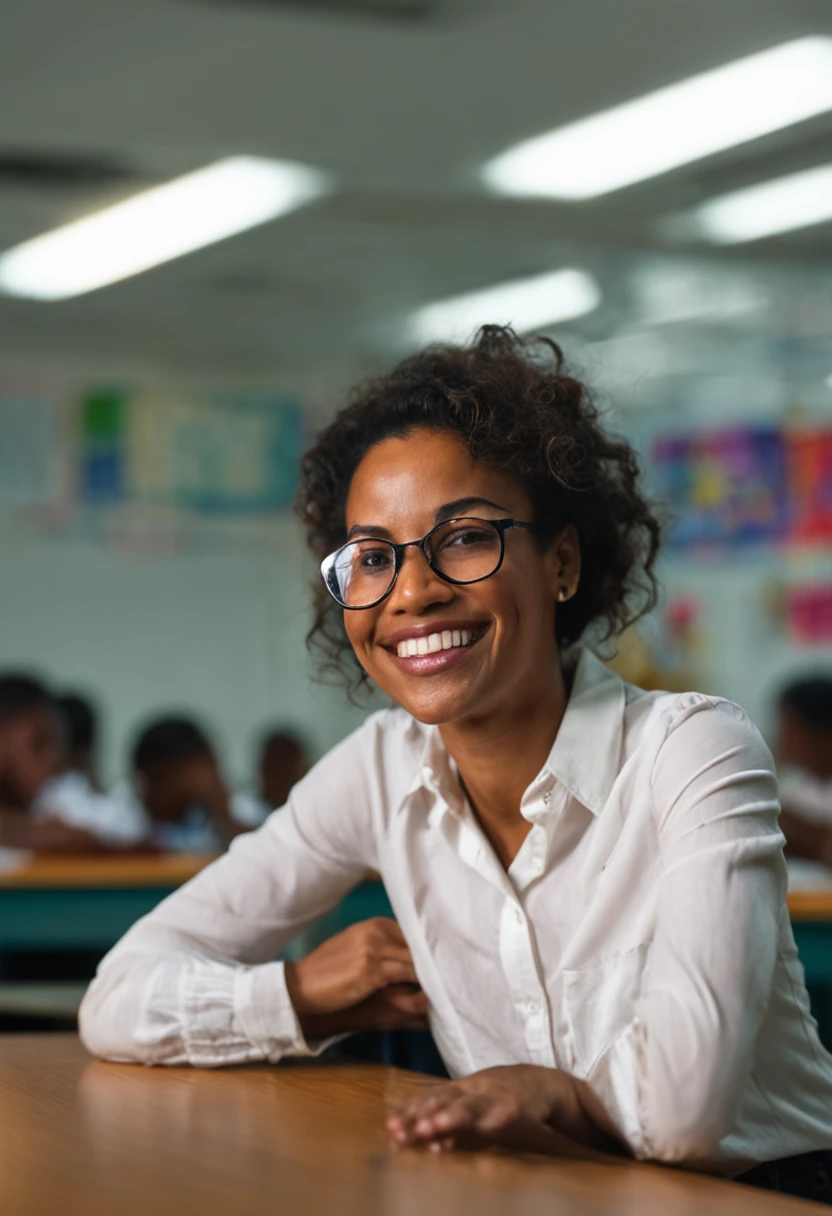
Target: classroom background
{"points": [[391, 189], [216, 217]]}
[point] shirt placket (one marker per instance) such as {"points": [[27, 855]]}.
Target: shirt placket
{"points": [[517, 950]]}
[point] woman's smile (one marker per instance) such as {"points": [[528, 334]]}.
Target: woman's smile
{"points": [[424, 650]]}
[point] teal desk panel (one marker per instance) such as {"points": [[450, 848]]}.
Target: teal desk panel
{"points": [[94, 918], [58, 918]]}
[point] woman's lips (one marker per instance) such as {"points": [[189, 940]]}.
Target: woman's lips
{"points": [[440, 660]]}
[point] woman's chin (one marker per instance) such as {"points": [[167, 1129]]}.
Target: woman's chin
{"points": [[438, 707]]}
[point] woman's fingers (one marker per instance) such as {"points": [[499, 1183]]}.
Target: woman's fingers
{"points": [[397, 971], [405, 999], [437, 1115]]}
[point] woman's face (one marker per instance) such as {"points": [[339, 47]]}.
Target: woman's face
{"points": [[401, 489]]}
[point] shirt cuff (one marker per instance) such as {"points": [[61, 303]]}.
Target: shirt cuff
{"points": [[265, 1014], [233, 1015]]}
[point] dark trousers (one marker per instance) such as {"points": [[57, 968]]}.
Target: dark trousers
{"points": [[808, 1176]]}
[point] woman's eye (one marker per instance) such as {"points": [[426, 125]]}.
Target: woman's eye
{"points": [[374, 559], [465, 537]]}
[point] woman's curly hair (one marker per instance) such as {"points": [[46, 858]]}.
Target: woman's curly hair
{"points": [[516, 408]]}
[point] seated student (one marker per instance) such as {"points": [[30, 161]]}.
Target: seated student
{"points": [[72, 796], [283, 761], [588, 879], [31, 747], [180, 800], [804, 753]]}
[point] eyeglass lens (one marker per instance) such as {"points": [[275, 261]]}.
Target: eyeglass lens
{"points": [[465, 550]]}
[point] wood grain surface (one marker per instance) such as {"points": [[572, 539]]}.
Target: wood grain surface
{"points": [[83, 1137]]}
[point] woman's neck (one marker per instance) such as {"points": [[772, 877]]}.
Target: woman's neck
{"points": [[499, 756]]}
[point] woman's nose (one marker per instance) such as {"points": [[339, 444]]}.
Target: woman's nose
{"points": [[417, 585]]}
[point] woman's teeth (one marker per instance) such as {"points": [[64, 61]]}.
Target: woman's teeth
{"points": [[446, 640]]}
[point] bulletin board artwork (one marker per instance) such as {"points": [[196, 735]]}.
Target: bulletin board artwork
{"points": [[170, 449], [810, 457], [725, 487]]}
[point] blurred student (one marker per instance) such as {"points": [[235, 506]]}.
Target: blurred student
{"points": [[180, 797], [72, 795], [31, 752], [804, 748], [284, 759]]}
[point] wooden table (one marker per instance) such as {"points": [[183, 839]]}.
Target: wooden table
{"points": [[78, 1136]]}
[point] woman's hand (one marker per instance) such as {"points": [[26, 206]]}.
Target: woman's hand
{"points": [[522, 1106], [360, 979]]}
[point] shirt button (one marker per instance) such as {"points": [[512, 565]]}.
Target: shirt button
{"points": [[537, 865], [532, 1007], [547, 798]]}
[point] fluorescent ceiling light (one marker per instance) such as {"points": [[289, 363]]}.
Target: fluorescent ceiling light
{"points": [[525, 304], [796, 201], [640, 139], [157, 225]]}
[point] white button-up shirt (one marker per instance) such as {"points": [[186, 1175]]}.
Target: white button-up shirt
{"points": [[639, 939]]}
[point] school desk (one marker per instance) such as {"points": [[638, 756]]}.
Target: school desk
{"points": [[811, 913], [84, 903], [85, 1138], [87, 903]]}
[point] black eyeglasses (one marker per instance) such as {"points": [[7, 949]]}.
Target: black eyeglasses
{"points": [[363, 572]]}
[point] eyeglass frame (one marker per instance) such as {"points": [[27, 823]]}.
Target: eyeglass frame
{"points": [[500, 525]]}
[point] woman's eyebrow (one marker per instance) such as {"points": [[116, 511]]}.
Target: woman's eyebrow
{"points": [[459, 505], [369, 530], [447, 511]]}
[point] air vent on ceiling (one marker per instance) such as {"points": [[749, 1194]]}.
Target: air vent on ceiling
{"points": [[393, 10], [61, 170]]}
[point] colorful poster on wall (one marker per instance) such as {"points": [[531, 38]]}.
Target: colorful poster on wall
{"points": [[102, 456], [724, 487], [810, 478], [175, 449]]}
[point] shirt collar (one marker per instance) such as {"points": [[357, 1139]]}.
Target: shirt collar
{"points": [[436, 771], [585, 756]]}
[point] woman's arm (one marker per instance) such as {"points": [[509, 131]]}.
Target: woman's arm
{"points": [[195, 981], [674, 1080]]}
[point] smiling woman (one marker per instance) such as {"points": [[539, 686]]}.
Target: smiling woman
{"points": [[515, 411], [587, 878]]}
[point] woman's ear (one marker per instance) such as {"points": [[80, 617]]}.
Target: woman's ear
{"points": [[565, 563]]}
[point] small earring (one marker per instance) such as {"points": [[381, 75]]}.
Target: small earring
{"points": [[562, 594]]}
